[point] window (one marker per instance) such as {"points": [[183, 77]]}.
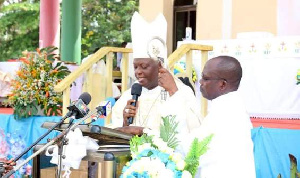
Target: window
{"points": [[184, 16]]}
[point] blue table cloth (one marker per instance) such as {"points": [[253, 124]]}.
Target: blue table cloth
{"points": [[271, 151]]}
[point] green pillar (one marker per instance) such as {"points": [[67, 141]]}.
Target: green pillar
{"points": [[71, 31]]}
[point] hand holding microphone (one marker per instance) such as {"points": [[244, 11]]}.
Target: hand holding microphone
{"points": [[130, 109]]}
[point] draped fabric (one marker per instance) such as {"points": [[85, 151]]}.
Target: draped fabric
{"points": [[17, 135], [271, 151]]}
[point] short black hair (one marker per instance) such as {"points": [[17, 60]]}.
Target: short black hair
{"points": [[123, 44], [231, 68]]}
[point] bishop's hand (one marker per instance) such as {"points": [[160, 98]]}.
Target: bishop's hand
{"points": [[129, 111], [166, 80]]}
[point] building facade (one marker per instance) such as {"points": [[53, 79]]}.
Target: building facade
{"points": [[223, 19]]}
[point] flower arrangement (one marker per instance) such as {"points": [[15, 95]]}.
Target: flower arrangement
{"points": [[153, 154], [34, 84]]}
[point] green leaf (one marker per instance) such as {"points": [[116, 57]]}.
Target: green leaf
{"points": [[136, 141], [293, 166], [19, 29], [197, 149], [168, 131]]}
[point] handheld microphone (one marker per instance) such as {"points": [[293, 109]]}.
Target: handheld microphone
{"points": [[136, 91], [79, 107]]}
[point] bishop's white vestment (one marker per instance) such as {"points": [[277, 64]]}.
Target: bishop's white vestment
{"points": [[151, 108]]}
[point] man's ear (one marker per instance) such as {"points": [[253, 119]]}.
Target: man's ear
{"points": [[159, 64], [223, 84]]}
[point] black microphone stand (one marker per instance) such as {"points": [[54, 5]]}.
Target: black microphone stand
{"points": [[60, 144], [56, 139]]}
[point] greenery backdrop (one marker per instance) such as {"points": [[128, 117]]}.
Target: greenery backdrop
{"points": [[104, 23]]}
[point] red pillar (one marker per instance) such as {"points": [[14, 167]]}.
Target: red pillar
{"points": [[49, 23]]}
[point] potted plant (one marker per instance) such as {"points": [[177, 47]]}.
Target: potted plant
{"points": [[33, 87]]}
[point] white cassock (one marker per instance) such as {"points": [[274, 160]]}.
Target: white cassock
{"points": [[151, 108], [230, 153]]}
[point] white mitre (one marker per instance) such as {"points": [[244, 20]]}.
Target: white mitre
{"points": [[142, 32]]}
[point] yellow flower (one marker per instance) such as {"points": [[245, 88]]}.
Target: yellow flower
{"points": [[33, 83]]}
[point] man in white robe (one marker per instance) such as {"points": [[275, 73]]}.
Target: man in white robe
{"points": [[230, 153], [154, 78]]}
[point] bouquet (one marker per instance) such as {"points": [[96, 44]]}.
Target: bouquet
{"points": [[34, 84], [153, 154]]}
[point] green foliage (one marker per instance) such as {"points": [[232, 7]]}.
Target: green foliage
{"points": [[167, 134], [293, 167], [106, 23], [197, 149], [139, 140], [34, 84], [168, 131], [19, 29]]}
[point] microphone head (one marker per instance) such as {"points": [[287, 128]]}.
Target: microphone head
{"points": [[86, 98], [136, 89]]}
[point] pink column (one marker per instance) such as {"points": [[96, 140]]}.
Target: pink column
{"points": [[49, 23]]}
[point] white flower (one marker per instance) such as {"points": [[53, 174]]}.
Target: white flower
{"points": [[180, 165], [158, 142], [150, 132], [176, 157], [186, 174], [143, 147], [133, 155], [155, 166], [162, 145], [164, 173]]}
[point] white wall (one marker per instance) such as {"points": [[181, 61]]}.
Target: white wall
{"points": [[288, 17]]}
